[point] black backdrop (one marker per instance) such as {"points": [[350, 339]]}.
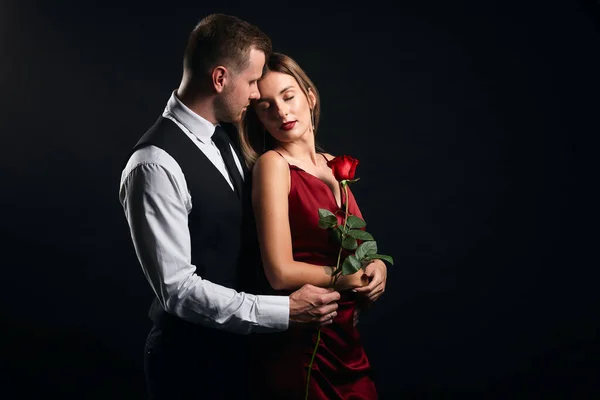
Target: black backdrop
{"points": [[471, 121]]}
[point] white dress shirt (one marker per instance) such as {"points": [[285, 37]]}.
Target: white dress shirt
{"points": [[157, 202]]}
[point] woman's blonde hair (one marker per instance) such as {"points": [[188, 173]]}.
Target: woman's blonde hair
{"points": [[254, 139]]}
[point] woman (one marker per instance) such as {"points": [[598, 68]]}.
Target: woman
{"points": [[291, 181]]}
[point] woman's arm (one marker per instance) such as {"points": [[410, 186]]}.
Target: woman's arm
{"points": [[270, 191]]}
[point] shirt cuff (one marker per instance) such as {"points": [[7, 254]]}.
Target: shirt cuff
{"points": [[273, 313]]}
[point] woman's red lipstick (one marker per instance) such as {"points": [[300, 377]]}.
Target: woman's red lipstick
{"points": [[287, 126]]}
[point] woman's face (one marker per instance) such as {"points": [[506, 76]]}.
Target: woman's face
{"points": [[282, 108]]}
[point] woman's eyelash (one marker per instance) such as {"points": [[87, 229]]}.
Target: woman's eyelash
{"points": [[265, 107]]}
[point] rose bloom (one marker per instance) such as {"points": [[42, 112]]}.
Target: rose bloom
{"points": [[344, 167]]}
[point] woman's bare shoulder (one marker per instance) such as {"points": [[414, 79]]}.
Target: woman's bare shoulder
{"points": [[270, 163]]}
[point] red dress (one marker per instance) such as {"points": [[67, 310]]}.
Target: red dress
{"points": [[341, 369]]}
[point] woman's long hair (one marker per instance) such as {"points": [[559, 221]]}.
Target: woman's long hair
{"points": [[254, 139]]}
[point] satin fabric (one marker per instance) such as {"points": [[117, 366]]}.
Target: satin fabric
{"points": [[341, 369]]}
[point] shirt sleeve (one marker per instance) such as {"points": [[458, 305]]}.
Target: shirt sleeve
{"points": [[156, 208]]}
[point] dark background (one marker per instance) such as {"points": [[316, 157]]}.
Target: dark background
{"points": [[471, 121]]}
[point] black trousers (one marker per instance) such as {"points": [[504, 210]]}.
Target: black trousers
{"points": [[184, 361]]}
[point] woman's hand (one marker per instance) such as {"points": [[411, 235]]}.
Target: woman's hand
{"points": [[356, 280], [376, 273]]}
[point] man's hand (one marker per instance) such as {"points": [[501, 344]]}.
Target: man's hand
{"points": [[313, 306], [376, 271]]}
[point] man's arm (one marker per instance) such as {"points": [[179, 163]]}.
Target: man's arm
{"points": [[155, 200]]}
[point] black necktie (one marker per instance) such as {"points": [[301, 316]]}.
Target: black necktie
{"points": [[223, 143]]}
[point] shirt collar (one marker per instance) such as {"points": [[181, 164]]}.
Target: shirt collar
{"points": [[198, 126]]}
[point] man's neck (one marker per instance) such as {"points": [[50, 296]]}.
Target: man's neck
{"points": [[198, 103]]}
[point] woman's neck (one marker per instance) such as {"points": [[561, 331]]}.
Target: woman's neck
{"points": [[303, 151]]}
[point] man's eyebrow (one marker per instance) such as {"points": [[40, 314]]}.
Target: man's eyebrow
{"points": [[281, 92]]}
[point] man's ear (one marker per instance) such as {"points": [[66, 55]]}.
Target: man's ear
{"points": [[219, 76], [312, 100]]}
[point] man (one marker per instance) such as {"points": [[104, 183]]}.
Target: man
{"points": [[192, 229], [186, 198]]}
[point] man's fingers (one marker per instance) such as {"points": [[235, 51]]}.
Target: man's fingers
{"points": [[324, 310], [328, 317], [329, 297], [328, 322], [320, 289]]}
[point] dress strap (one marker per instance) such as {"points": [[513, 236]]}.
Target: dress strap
{"points": [[281, 156], [326, 160]]}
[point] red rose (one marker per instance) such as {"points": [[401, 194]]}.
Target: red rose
{"points": [[343, 167]]}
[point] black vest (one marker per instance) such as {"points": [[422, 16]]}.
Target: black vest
{"points": [[222, 227]]}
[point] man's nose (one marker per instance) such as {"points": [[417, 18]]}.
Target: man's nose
{"points": [[255, 94]]}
